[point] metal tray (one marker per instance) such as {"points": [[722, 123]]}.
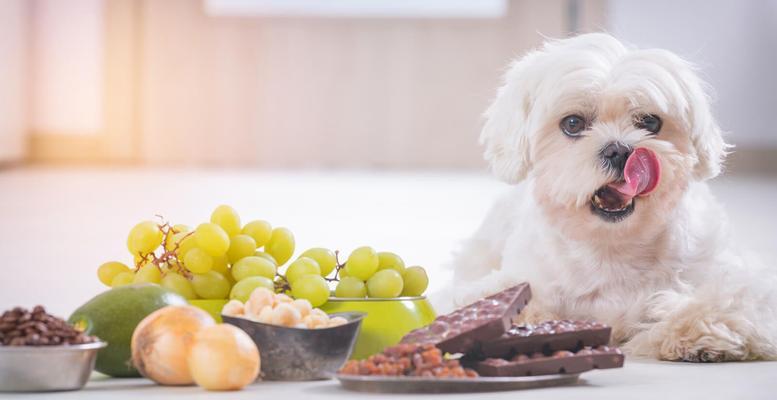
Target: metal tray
{"points": [[407, 384]]}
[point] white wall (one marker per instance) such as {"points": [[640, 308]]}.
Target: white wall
{"points": [[13, 29], [735, 44]]}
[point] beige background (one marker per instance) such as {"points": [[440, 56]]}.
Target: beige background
{"points": [[333, 92], [164, 83], [13, 35], [185, 88]]}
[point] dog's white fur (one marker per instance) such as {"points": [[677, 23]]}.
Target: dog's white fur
{"points": [[666, 278]]}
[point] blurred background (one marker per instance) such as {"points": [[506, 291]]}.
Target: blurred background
{"points": [[335, 84], [350, 121]]}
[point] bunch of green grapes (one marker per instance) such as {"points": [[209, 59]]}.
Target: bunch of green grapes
{"points": [[219, 259], [223, 259], [366, 273]]}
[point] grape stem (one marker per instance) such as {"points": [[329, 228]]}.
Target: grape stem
{"points": [[281, 284], [167, 257], [338, 267]]}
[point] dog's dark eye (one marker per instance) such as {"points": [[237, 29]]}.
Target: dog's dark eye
{"points": [[572, 125], [648, 122]]}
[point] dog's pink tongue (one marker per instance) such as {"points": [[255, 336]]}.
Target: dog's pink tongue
{"points": [[641, 174]]}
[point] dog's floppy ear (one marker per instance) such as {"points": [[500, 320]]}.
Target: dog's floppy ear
{"points": [[705, 134], [505, 134]]}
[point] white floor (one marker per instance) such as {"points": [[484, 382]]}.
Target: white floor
{"points": [[57, 226], [648, 380]]}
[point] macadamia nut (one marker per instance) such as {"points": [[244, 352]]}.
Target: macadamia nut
{"points": [[285, 314], [259, 299], [279, 309], [303, 306], [234, 308]]}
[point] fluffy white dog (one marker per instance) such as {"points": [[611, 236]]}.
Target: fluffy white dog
{"points": [[612, 219]]}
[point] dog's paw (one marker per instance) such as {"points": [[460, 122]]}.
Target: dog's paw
{"points": [[707, 355], [702, 342], [534, 313]]}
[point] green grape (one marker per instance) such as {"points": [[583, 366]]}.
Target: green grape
{"points": [[221, 265], [212, 238], [385, 283], [181, 228], [198, 261], [259, 230], [122, 278], [229, 277], [184, 241], [187, 243], [148, 273], [362, 263], [144, 238], [324, 257], [253, 266], [240, 246], [301, 267], [243, 288], [280, 245], [387, 259], [227, 218], [266, 256], [179, 284], [313, 288], [141, 261], [109, 270], [350, 287], [174, 235], [416, 281], [342, 273], [210, 285], [173, 239]]}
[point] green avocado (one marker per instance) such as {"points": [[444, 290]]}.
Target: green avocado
{"points": [[113, 315]]}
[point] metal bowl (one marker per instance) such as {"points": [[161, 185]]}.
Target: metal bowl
{"points": [[295, 354], [46, 368]]}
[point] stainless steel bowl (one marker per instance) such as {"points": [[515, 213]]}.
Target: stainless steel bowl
{"points": [[46, 368], [295, 354]]}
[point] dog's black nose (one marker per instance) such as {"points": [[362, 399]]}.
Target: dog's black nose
{"points": [[616, 154]]}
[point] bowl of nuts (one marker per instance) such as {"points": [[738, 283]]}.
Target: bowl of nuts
{"points": [[40, 352], [296, 341]]}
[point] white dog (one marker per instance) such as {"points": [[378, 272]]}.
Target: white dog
{"points": [[612, 219]]}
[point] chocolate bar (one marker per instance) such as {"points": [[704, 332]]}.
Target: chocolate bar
{"points": [[547, 337], [485, 319], [560, 362]]}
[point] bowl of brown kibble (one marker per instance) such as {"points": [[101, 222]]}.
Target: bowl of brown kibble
{"points": [[40, 352]]}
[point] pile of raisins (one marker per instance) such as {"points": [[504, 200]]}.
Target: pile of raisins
{"points": [[410, 359]]}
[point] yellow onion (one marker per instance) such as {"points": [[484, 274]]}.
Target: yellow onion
{"points": [[223, 357], [162, 341]]}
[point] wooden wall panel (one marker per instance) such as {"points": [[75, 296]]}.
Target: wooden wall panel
{"points": [[305, 92], [13, 77]]}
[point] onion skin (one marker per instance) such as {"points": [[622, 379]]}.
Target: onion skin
{"points": [[223, 357], [162, 341]]}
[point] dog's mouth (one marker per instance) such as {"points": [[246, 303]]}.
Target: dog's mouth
{"points": [[616, 200]]}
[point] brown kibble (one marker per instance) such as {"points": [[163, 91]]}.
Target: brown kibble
{"points": [[17, 341], [41, 327], [20, 327]]}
